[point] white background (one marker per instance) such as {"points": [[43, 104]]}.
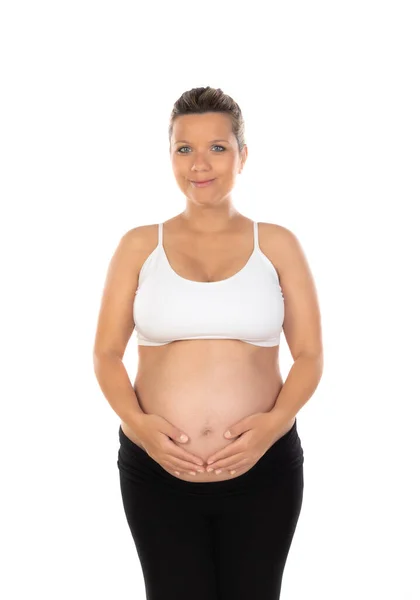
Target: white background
{"points": [[330, 96]]}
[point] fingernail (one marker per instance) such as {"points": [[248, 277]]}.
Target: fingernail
{"points": [[192, 472], [233, 472], [183, 437], [200, 470], [217, 471], [210, 469]]}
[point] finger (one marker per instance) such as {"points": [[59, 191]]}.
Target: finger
{"points": [[238, 468], [175, 450], [187, 457], [232, 469], [229, 450], [184, 465], [171, 467], [180, 452], [224, 463]]}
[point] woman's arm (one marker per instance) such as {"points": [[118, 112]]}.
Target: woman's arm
{"points": [[116, 386], [302, 327], [114, 329]]}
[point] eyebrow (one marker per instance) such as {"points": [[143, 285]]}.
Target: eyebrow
{"points": [[211, 141]]}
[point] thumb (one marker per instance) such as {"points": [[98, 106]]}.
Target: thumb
{"points": [[180, 436], [172, 431], [238, 428]]}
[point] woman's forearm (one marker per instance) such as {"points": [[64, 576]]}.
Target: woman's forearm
{"points": [[300, 384], [116, 386]]}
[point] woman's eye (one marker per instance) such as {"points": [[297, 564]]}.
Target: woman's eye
{"points": [[182, 147]]}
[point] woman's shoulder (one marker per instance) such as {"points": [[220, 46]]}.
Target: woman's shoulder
{"points": [[137, 243], [142, 236], [274, 233]]}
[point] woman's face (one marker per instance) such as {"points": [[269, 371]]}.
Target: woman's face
{"points": [[203, 147]]}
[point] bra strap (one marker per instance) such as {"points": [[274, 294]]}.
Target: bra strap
{"points": [[256, 242], [160, 234]]}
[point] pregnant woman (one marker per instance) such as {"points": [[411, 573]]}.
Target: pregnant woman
{"points": [[208, 292]]}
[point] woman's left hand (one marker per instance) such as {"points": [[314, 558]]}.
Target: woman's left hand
{"points": [[259, 432]]}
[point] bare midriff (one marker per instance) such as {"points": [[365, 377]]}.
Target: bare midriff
{"points": [[203, 387]]}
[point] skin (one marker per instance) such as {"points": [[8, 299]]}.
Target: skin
{"points": [[208, 242], [207, 209]]}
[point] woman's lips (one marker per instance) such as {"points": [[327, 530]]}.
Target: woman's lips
{"points": [[202, 183]]}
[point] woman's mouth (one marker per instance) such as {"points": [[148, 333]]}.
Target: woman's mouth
{"points": [[200, 184]]}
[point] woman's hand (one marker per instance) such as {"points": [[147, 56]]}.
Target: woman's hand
{"points": [[155, 434], [257, 432]]}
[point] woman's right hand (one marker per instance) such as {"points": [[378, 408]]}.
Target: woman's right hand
{"points": [[155, 434]]}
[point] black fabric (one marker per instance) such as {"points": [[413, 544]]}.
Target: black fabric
{"points": [[219, 540]]}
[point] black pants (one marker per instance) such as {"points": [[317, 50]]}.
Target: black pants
{"points": [[219, 540]]}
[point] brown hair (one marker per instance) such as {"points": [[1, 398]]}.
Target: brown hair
{"points": [[208, 99]]}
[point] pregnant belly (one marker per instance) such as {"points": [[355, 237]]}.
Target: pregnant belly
{"points": [[203, 397]]}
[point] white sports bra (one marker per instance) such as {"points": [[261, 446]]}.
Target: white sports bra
{"points": [[248, 306]]}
